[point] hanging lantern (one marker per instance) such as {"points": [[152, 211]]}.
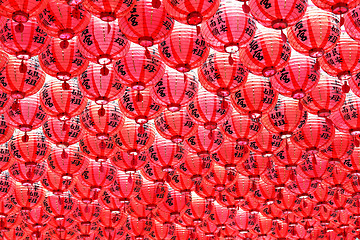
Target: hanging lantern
{"points": [[275, 14], [166, 154], [352, 163], [17, 233], [217, 75], [7, 185], [336, 6], [273, 212], [195, 167], [5, 158], [60, 103], [124, 190], [198, 210], [254, 166], [240, 189], [28, 197], [255, 97], [5, 101], [266, 54], [27, 175], [337, 178], [251, 205], [300, 186], [63, 63], [230, 155], [266, 143], [63, 134], [98, 175], [4, 58], [108, 11], [10, 222], [298, 77], [102, 43], [53, 183], [208, 228], [290, 156], [111, 221], [139, 106], [101, 121], [340, 202], [151, 195], [6, 131], [207, 192], [314, 168], [107, 201], [235, 29], [67, 165], [181, 182], [175, 90], [285, 118], [221, 177], [276, 175], [315, 135], [138, 229], [138, 210], [87, 213], [83, 193], [60, 20], [98, 149], [322, 195], [175, 203], [220, 215], [7, 207], [351, 23], [184, 49], [36, 217], [265, 194], [61, 225], [129, 163], [146, 24], [32, 151], [325, 98], [287, 201], [175, 126], [160, 231], [302, 34], [28, 39]]}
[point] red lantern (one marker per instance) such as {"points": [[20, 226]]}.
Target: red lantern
{"points": [[10, 222], [5, 101], [146, 25], [240, 189], [107, 201], [67, 165], [206, 191], [83, 193], [340, 202], [300, 186], [63, 63], [290, 156], [306, 38], [27, 175], [28, 197], [273, 212], [352, 163], [27, 40], [111, 221], [36, 217], [322, 195], [276, 175], [129, 163], [255, 97], [108, 10], [175, 126], [138, 229], [166, 154], [266, 54], [5, 158], [325, 98], [87, 213], [350, 23], [243, 221], [151, 195], [61, 225], [98, 175], [306, 209], [254, 166], [175, 203], [196, 167], [265, 194], [63, 134], [315, 135], [336, 177], [184, 49], [175, 90], [102, 121], [102, 42], [60, 103], [266, 143], [138, 210], [160, 231], [336, 6], [7, 207], [240, 28], [181, 182], [32, 151], [198, 210], [61, 20], [220, 177], [208, 228], [314, 168], [6, 185], [99, 150], [220, 215], [53, 183], [287, 201], [122, 189], [6, 131], [272, 15], [251, 205]]}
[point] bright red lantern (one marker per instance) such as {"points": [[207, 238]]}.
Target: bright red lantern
{"points": [[26, 41], [63, 134], [230, 155], [290, 156], [151, 195], [129, 163], [83, 193], [36, 217], [352, 163], [175, 203], [122, 189], [102, 121], [307, 38], [7, 207], [196, 167], [63, 63], [220, 177], [240, 28], [111, 221], [315, 135], [5, 158], [138, 210], [28, 197], [276, 175], [243, 221], [55, 184], [184, 49], [181, 182], [208, 228], [266, 54], [287, 201], [98, 149], [138, 228], [322, 195], [240, 189], [87, 213], [301, 187], [207, 192], [198, 210], [266, 143], [6, 131], [7, 185], [175, 126], [27, 175], [337, 178], [175, 90], [146, 25], [61, 20], [325, 98], [314, 168], [67, 165], [251, 205], [220, 215], [273, 212], [351, 23], [5, 101], [108, 201], [108, 11], [98, 175], [336, 6], [153, 172], [253, 167], [161, 231], [255, 97], [265, 194]]}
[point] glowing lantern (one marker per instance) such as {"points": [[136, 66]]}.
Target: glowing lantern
{"points": [[220, 215], [277, 176], [287, 201], [265, 193], [138, 229], [351, 23], [198, 210], [314, 168], [5, 158], [6, 130], [207, 192], [322, 194], [154, 173], [300, 186], [83, 193], [107, 201], [175, 203], [181, 182], [336, 6], [37, 217]]}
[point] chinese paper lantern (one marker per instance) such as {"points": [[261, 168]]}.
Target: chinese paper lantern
{"points": [[166, 154], [111, 221], [340, 202], [36, 217], [336, 7], [315, 135], [83, 193], [290, 156], [102, 42], [306, 38], [138, 210], [337, 178], [27, 175], [322, 194], [181, 182], [207, 192], [345, 119], [276, 175], [67, 165], [285, 118], [271, 15], [101, 124], [219, 215], [352, 163], [306, 209], [251, 205], [7, 207], [139, 106], [60, 103], [208, 228], [87, 213], [60, 20], [98, 175], [300, 186], [200, 143], [23, 83], [7, 184], [184, 55], [235, 28], [55, 184], [314, 168], [146, 25], [254, 166], [273, 212], [6, 130], [28, 197], [175, 203], [243, 221], [175, 90], [198, 210], [10, 222], [116, 234], [240, 189], [255, 97], [175, 126], [265, 194], [124, 190], [266, 54], [196, 167], [218, 76], [4, 58], [350, 23], [62, 225], [5, 158], [17, 233], [63, 134], [266, 143], [5, 101], [27, 40], [286, 201], [129, 163], [32, 151], [107, 201], [99, 150], [325, 98], [108, 11], [151, 195], [160, 231], [220, 177], [138, 229], [63, 63]]}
